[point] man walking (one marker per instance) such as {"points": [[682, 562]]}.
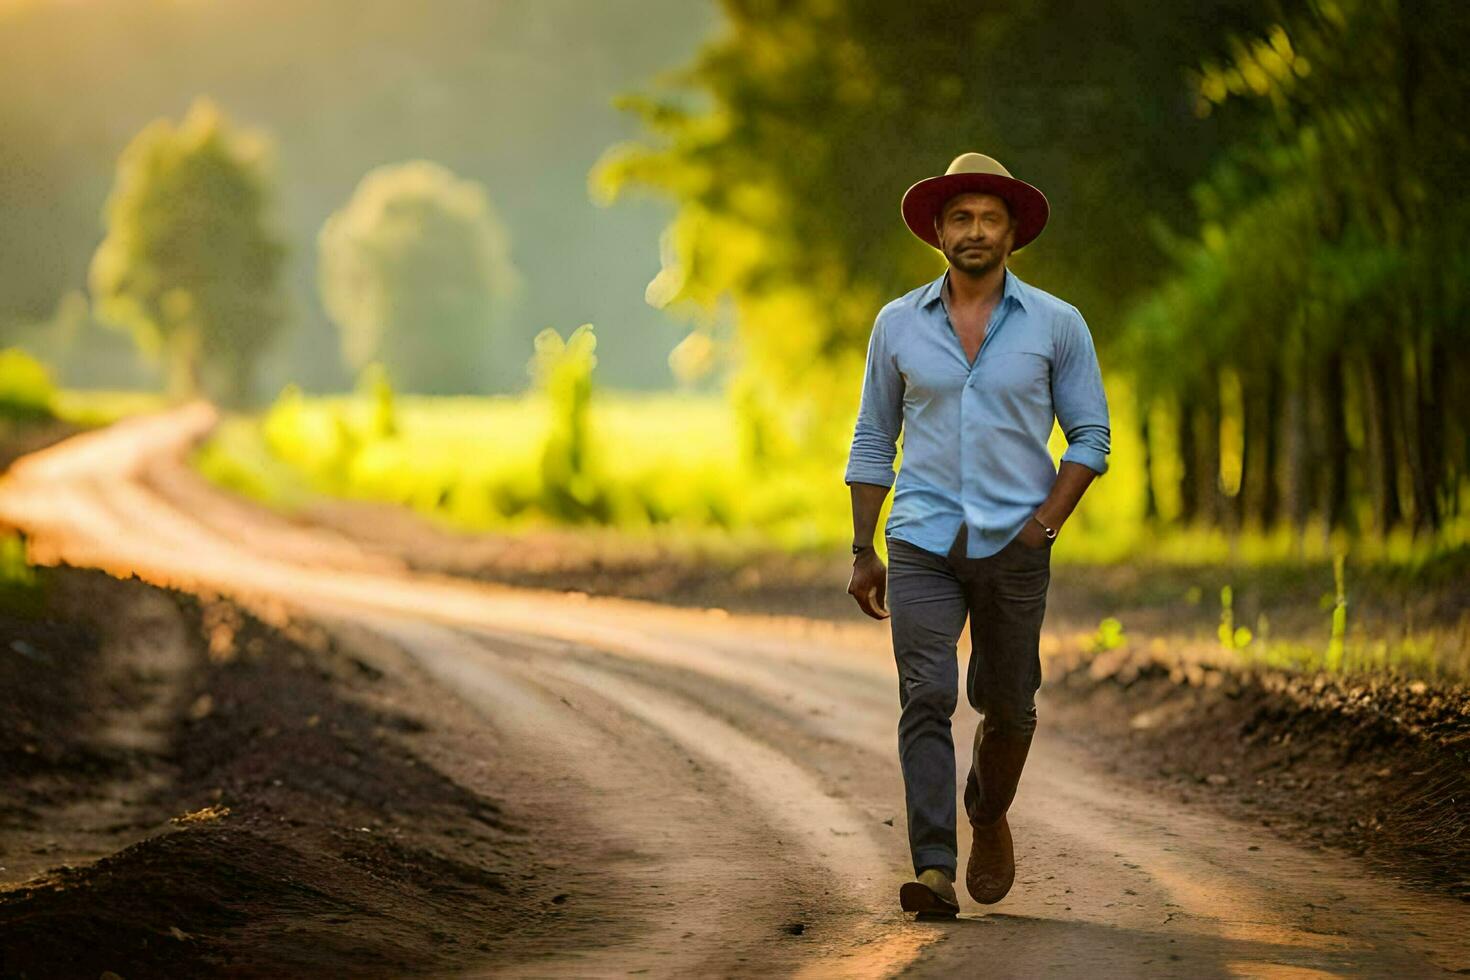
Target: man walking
{"points": [[973, 367]]}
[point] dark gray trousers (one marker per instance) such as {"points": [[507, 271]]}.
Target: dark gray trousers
{"points": [[929, 597]]}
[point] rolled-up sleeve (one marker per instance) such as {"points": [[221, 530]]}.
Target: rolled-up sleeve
{"points": [[880, 415], [1078, 396]]}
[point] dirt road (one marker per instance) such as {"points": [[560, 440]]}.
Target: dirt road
{"points": [[742, 769]]}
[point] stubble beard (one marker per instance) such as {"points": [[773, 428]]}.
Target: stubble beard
{"points": [[976, 263]]}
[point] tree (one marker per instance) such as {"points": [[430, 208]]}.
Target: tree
{"points": [[562, 372], [821, 112], [1329, 271], [190, 263], [411, 269]]}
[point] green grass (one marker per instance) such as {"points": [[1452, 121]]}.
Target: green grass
{"points": [[22, 593], [662, 460], [98, 407], [1419, 656], [677, 460]]}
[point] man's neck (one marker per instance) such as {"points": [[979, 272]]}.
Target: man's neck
{"points": [[970, 290]]}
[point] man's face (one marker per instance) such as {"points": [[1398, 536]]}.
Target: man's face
{"points": [[975, 232]]}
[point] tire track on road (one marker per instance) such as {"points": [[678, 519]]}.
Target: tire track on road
{"points": [[731, 854]]}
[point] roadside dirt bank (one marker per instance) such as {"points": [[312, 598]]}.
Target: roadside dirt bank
{"points": [[193, 790], [1374, 766]]}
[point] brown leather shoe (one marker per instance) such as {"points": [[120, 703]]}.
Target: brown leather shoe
{"points": [[931, 895], [992, 866]]}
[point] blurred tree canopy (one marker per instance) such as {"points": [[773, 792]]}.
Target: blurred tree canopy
{"points": [[820, 113], [191, 264], [1325, 289], [1282, 277], [411, 268], [513, 94]]}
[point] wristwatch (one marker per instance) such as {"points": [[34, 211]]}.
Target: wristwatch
{"points": [[858, 549], [1051, 532]]}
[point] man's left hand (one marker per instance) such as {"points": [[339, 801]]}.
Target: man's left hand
{"points": [[1033, 535]]}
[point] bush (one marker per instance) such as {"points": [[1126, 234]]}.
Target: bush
{"points": [[26, 389]]}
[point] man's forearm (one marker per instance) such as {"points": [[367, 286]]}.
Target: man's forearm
{"points": [[867, 503], [1072, 481]]}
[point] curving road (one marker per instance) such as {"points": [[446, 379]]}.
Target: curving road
{"points": [[743, 769]]}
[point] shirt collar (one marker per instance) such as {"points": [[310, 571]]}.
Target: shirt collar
{"points": [[1013, 289]]}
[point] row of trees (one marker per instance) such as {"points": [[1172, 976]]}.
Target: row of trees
{"points": [[410, 268], [1253, 204], [1325, 288]]}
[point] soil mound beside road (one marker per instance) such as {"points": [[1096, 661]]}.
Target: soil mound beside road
{"points": [[1379, 768], [257, 800]]}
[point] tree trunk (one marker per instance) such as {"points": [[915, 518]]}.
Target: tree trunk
{"points": [[1239, 506], [1378, 381], [1301, 488], [1334, 441], [1150, 504], [1439, 400], [1270, 499], [1258, 500], [183, 364], [1429, 384], [1207, 455], [1184, 422]]}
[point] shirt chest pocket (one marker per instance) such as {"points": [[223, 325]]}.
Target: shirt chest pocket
{"points": [[1020, 371]]}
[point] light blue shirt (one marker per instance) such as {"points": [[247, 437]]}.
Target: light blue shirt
{"points": [[975, 435]]}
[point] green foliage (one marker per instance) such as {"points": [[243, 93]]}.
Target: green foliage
{"points": [[411, 270], [1329, 265], [1339, 615], [562, 372], [26, 389], [189, 263], [373, 384], [331, 439], [1289, 253], [1232, 637], [21, 591], [1109, 635], [1412, 655], [788, 181], [103, 406], [1438, 651], [654, 461], [236, 456]]}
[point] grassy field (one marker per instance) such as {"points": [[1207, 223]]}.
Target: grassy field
{"points": [[659, 462], [673, 461], [103, 407]]}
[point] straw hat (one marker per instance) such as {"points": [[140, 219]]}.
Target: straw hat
{"points": [[980, 173]]}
